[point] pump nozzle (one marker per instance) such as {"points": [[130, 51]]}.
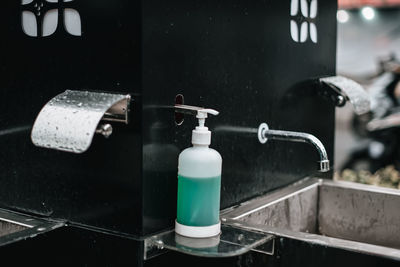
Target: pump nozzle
{"points": [[202, 115], [201, 135]]}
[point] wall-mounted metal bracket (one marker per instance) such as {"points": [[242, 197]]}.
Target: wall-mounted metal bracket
{"points": [[233, 241], [185, 109], [69, 121]]}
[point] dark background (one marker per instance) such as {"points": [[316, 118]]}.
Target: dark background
{"points": [[234, 56]]}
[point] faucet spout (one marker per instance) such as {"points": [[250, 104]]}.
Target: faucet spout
{"points": [[264, 133]]}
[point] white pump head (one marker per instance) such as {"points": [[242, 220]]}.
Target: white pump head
{"points": [[201, 135]]}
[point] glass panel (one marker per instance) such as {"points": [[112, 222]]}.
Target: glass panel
{"points": [[232, 242]]}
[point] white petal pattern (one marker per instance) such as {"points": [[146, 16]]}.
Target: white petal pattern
{"points": [[29, 23], [294, 31], [50, 22], [72, 22], [313, 9], [303, 32], [294, 7]]}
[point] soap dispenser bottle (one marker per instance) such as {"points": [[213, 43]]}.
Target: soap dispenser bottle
{"points": [[199, 184]]}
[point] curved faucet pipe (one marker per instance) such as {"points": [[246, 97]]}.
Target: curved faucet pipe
{"points": [[264, 133]]}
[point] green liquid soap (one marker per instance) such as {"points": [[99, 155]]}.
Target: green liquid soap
{"points": [[198, 201]]}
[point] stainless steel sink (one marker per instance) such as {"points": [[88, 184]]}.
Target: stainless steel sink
{"points": [[343, 215], [7, 228]]}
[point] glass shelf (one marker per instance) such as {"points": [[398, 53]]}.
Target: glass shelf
{"points": [[232, 241]]}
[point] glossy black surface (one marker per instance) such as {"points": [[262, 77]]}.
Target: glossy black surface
{"points": [[73, 246], [100, 188], [235, 56], [76, 246], [239, 58]]}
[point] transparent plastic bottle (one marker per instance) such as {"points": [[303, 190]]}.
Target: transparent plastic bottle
{"points": [[199, 185]]}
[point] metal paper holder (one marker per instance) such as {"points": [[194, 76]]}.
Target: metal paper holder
{"points": [[69, 121], [341, 89]]}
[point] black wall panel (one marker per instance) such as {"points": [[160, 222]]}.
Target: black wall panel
{"points": [[239, 58], [235, 56]]}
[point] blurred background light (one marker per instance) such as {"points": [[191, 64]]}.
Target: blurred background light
{"points": [[368, 13], [342, 16]]}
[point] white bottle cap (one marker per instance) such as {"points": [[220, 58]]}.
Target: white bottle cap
{"points": [[201, 135], [198, 231]]}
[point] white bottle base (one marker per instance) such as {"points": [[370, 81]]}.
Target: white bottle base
{"points": [[198, 231]]}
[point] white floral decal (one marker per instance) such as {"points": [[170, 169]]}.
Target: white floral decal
{"points": [[40, 18], [302, 24]]}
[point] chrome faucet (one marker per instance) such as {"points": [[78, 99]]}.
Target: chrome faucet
{"points": [[264, 133]]}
